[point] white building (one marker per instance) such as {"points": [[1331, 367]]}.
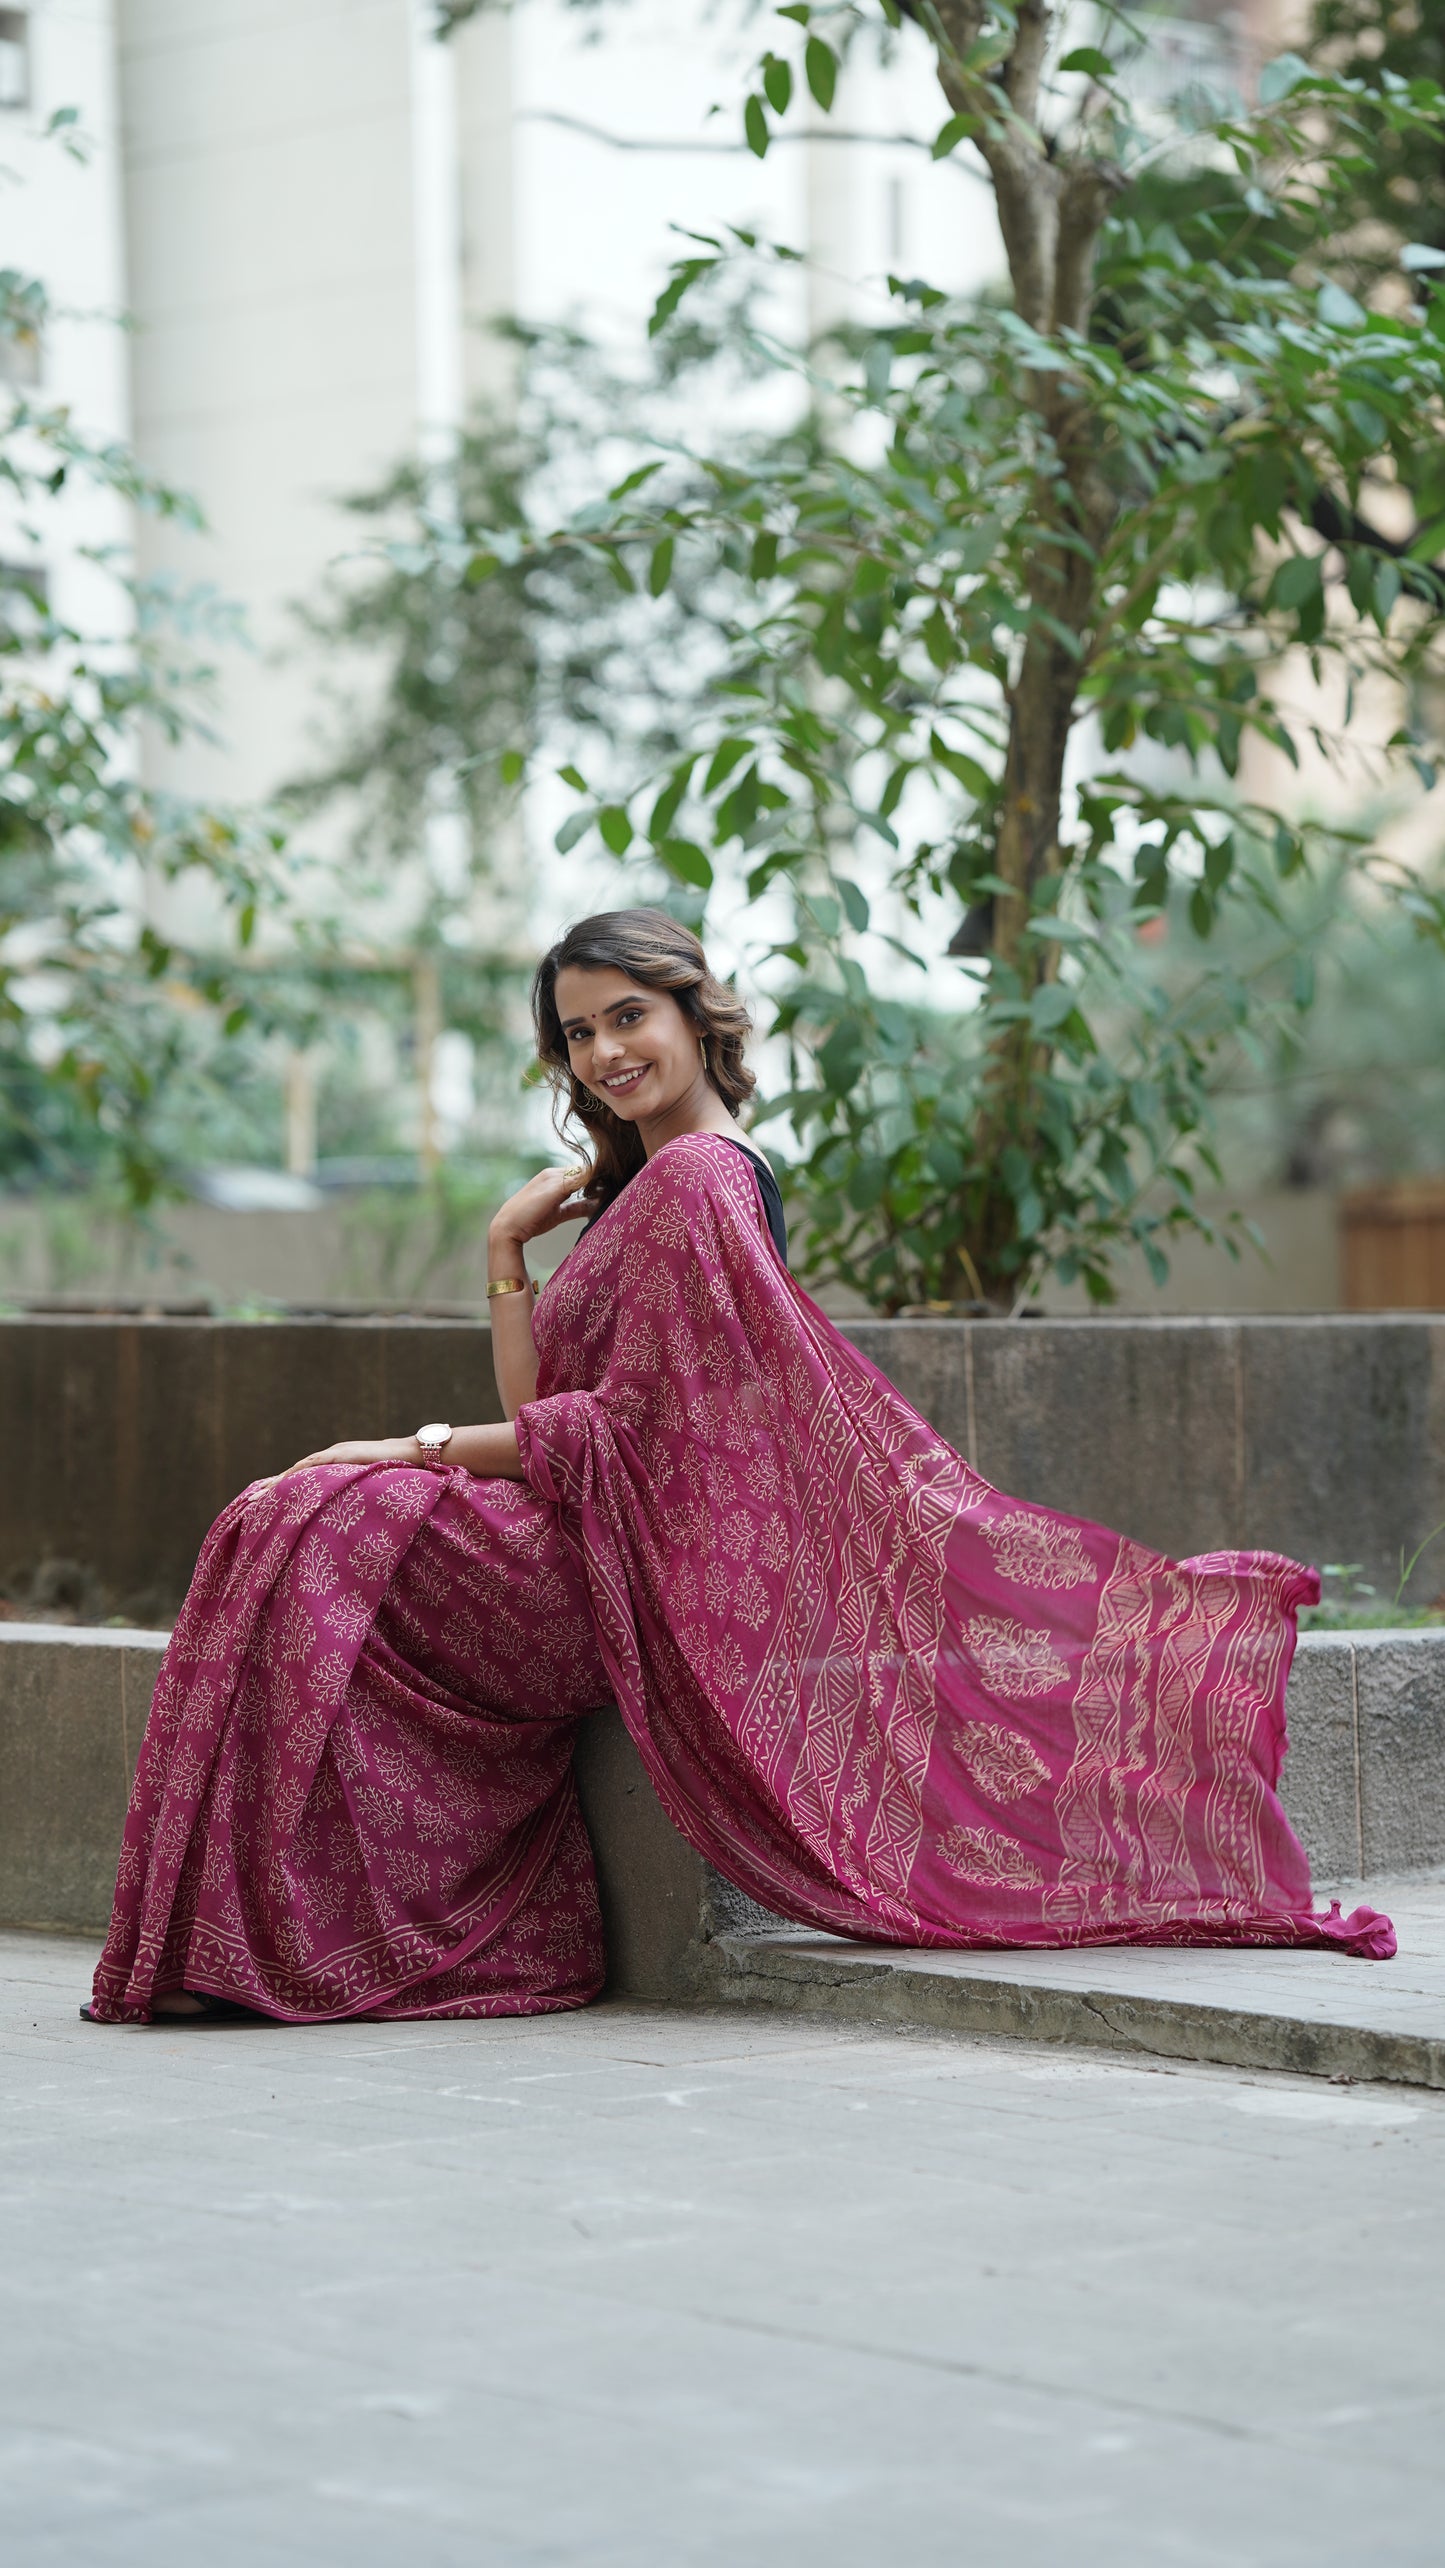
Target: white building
{"points": [[312, 210]]}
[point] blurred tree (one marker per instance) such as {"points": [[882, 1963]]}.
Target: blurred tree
{"points": [[1016, 623], [105, 1024]]}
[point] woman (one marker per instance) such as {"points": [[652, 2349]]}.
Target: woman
{"points": [[880, 1697]]}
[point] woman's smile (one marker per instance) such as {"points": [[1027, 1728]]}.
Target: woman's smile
{"points": [[622, 1082]]}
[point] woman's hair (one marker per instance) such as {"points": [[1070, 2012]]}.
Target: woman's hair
{"points": [[658, 953]]}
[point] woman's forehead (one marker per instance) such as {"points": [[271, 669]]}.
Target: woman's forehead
{"points": [[587, 990]]}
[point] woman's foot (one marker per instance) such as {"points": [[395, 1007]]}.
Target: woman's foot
{"points": [[181, 2005]]}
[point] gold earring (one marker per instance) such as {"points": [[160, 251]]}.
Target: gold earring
{"points": [[702, 1047]]}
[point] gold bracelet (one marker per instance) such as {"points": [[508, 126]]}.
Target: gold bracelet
{"points": [[510, 1284]]}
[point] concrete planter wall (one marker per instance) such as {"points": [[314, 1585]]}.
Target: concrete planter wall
{"points": [[1364, 1783], [1323, 1438]]}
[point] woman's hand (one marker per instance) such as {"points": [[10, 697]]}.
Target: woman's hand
{"points": [[541, 1205], [365, 1449]]}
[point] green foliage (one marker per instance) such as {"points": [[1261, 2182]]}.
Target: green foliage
{"points": [[101, 1018], [1107, 532], [1401, 185]]}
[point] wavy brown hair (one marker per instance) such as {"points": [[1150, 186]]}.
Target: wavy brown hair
{"points": [[658, 953]]}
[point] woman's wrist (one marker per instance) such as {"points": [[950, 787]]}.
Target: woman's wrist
{"points": [[505, 1253]]}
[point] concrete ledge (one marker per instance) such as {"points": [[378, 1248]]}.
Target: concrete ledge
{"points": [[1364, 1784], [1364, 1781], [1317, 1437], [1315, 2015], [73, 1707]]}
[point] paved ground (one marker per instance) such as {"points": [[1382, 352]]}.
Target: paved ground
{"points": [[634, 2290], [1319, 2011]]}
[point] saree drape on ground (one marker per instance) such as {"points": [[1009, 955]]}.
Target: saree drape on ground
{"points": [[882, 1698]]}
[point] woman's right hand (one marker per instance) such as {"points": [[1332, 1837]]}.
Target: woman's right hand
{"points": [[542, 1205]]}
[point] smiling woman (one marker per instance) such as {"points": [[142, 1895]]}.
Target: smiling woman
{"points": [[882, 1698]]}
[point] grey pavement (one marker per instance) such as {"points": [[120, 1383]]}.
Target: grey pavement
{"points": [[641, 2286]]}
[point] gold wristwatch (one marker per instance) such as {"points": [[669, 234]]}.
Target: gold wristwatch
{"points": [[434, 1441]]}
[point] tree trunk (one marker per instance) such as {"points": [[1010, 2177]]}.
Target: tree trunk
{"points": [[1051, 212]]}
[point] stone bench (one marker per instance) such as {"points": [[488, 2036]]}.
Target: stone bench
{"points": [[1364, 1784]]}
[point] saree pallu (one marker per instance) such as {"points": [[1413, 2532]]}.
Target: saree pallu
{"points": [[881, 1697]]}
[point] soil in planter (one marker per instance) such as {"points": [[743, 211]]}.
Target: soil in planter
{"points": [[55, 1590]]}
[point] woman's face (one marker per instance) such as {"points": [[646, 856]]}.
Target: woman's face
{"points": [[626, 1043]]}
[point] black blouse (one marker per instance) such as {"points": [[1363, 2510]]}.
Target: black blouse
{"points": [[770, 1192], [768, 1189]]}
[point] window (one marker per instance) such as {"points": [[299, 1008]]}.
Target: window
{"points": [[14, 57]]}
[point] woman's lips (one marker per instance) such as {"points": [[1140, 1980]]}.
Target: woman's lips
{"points": [[622, 1082]]}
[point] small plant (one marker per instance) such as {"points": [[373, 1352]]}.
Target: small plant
{"points": [[1351, 1603]]}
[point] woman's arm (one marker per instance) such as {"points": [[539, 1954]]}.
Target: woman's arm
{"points": [[537, 1207], [488, 1453]]}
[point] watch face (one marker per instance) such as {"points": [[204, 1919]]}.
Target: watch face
{"points": [[433, 1435]]}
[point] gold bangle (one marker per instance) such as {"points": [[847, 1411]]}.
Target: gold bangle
{"points": [[510, 1284]]}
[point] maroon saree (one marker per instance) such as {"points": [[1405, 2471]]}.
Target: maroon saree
{"points": [[880, 1697]]}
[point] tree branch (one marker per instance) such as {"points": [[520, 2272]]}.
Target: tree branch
{"points": [[1086, 192], [1023, 72]]}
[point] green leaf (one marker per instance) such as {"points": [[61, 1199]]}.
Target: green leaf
{"points": [[616, 828], [1050, 1005], [967, 770], [727, 755], [513, 766], [634, 480], [574, 827], [682, 279], [853, 902], [1279, 77], [1338, 310], [1088, 59], [669, 801], [938, 640], [572, 776], [1297, 580], [660, 568], [820, 65], [948, 137], [686, 863], [1388, 585], [246, 923], [755, 126], [777, 83], [1430, 542]]}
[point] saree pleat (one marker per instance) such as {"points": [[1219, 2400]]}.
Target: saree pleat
{"points": [[881, 1697], [355, 1792]]}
